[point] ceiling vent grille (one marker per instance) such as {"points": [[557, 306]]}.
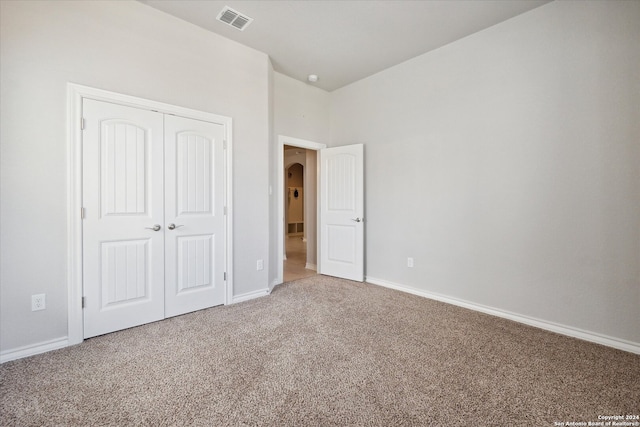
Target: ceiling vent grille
{"points": [[234, 18]]}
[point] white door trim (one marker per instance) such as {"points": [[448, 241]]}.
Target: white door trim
{"points": [[294, 142], [75, 94]]}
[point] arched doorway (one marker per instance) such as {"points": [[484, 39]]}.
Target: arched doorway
{"points": [[294, 213]]}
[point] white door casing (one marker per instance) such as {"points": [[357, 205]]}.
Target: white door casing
{"points": [[194, 215], [123, 267], [342, 212]]}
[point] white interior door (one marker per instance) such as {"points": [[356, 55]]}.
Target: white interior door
{"points": [[342, 212], [154, 227], [123, 200], [194, 214]]}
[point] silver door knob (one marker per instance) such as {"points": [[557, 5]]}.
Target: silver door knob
{"points": [[173, 226], [357, 219], [154, 228]]}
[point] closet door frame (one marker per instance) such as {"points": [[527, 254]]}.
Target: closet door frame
{"points": [[75, 94]]}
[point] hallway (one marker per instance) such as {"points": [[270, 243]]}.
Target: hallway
{"points": [[296, 251]]}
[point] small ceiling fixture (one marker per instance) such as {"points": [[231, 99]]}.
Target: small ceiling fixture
{"points": [[234, 18], [312, 78]]}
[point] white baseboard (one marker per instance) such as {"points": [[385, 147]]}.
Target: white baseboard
{"points": [[250, 295], [311, 267], [618, 343], [55, 344], [632, 347], [33, 349], [275, 283]]}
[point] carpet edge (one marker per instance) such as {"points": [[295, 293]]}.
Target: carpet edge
{"points": [[617, 343]]}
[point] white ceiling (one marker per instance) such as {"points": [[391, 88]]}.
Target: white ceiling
{"points": [[343, 41]]}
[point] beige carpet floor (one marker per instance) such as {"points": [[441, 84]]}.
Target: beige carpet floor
{"points": [[323, 352]]}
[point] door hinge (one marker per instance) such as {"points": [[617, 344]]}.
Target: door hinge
{"points": [[82, 123], [81, 213], [224, 144], [225, 210], [225, 275], [84, 302]]}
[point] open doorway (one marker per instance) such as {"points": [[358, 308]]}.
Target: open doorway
{"points": [[298, 206], [299, 213], [339, 231]]}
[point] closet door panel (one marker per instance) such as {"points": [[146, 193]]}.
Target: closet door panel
{"points": [[194, 212], [123, 198]]}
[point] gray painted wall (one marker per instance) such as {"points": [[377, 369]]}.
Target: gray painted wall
{"points": [[311, 206], [301, 111], [507, 164], [123, 47]]}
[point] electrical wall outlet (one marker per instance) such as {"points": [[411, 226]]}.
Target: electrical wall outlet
{"points": [[38, 302], [260, 265], [410, 262]]}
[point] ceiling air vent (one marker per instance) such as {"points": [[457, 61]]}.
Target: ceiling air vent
{"points": [[234, 18]]}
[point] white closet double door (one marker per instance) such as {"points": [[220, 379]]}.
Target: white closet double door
{"points": [[154, 226]]}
